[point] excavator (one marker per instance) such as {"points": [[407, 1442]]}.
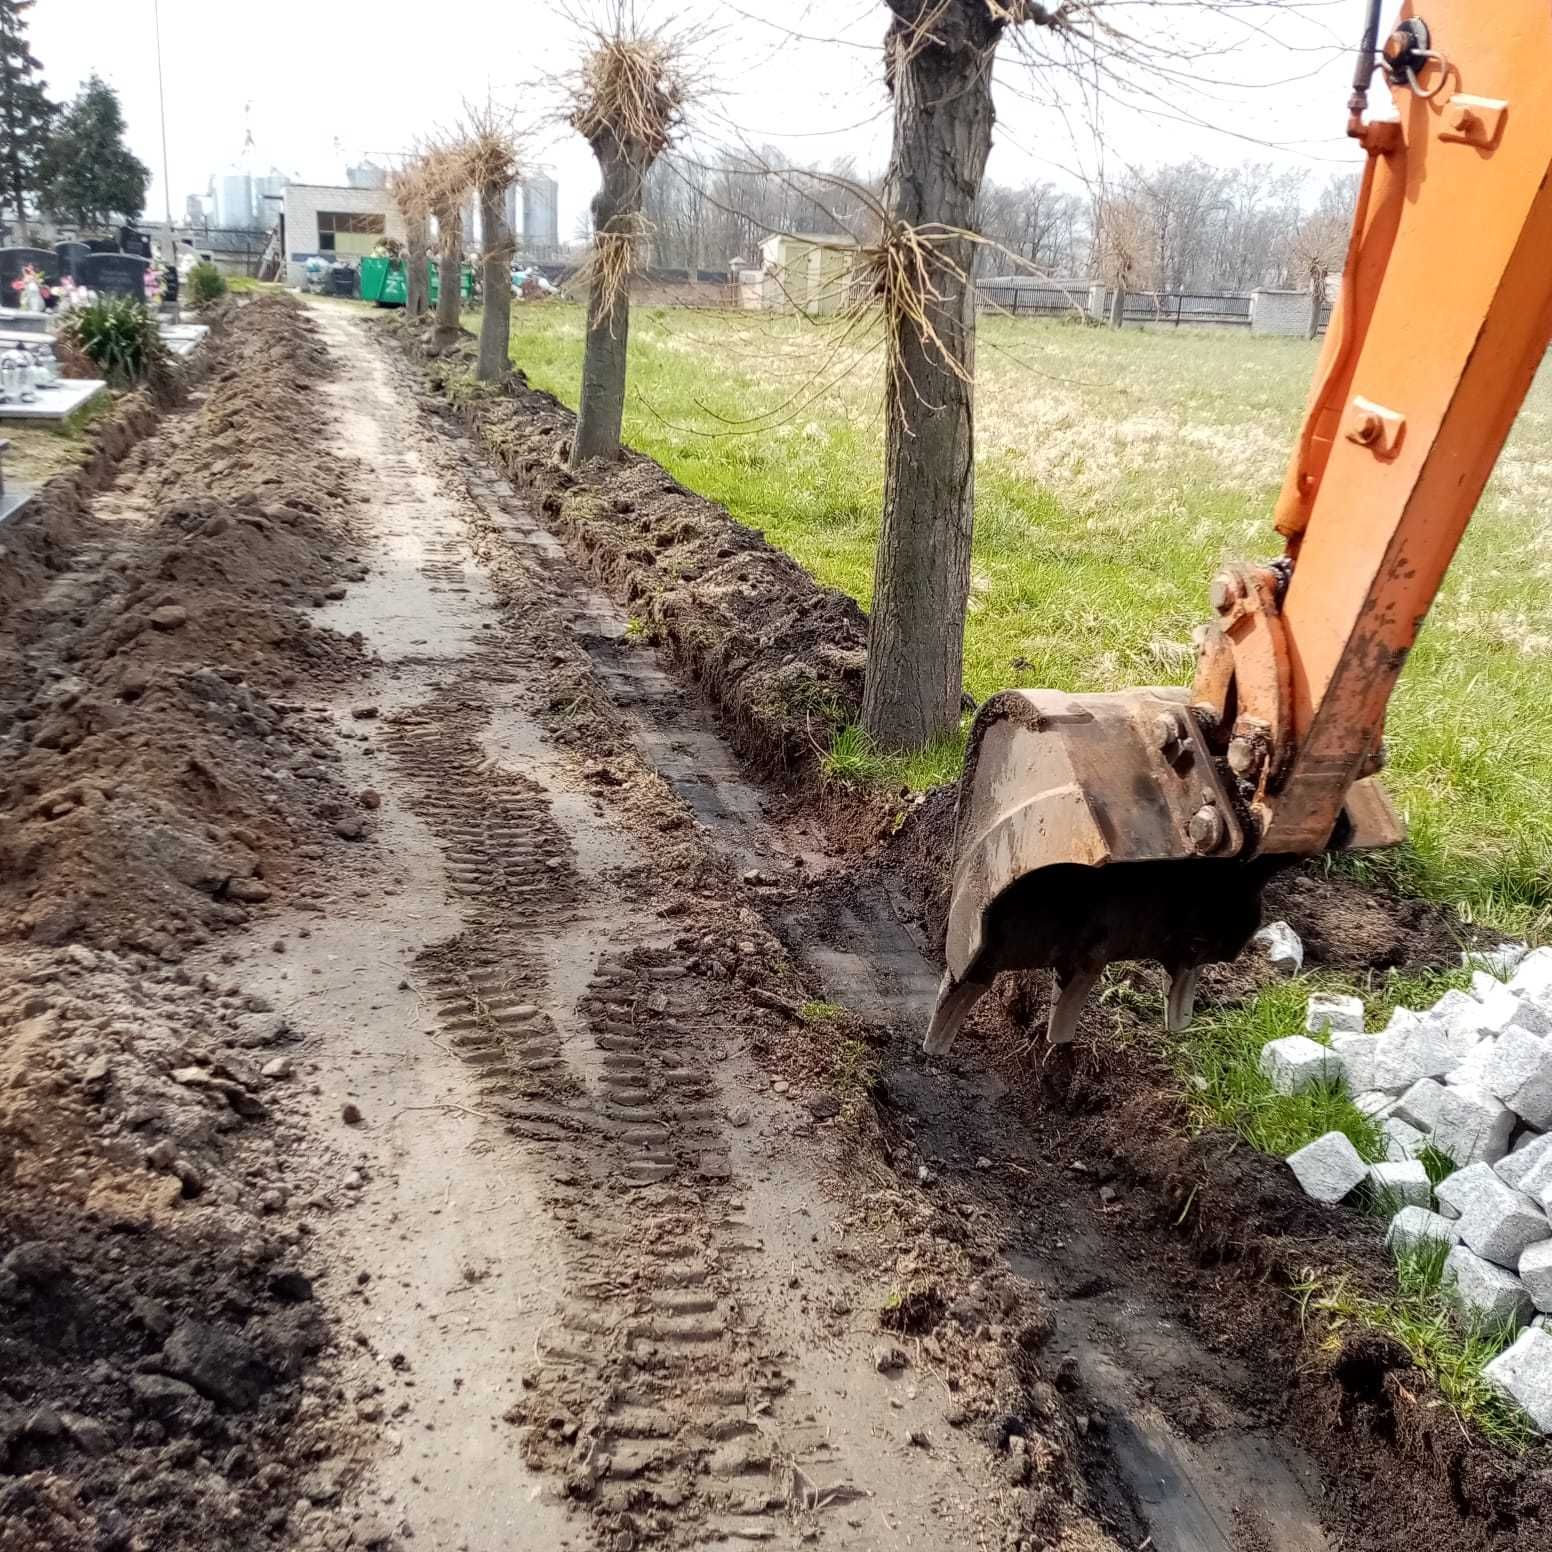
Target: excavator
{"points": [[1143, 825]]}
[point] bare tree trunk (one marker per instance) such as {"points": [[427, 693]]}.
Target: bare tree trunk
{"points": [[1317, 299], [1117, 304], [495, 363], [417, 285], [449, 277], [921, 578], [616, 208]]}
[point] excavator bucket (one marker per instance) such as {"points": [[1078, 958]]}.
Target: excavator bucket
{"points": [[1092, 828]]}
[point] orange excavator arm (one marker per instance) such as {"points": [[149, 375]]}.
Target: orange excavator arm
{"points": [[1144, 824]]}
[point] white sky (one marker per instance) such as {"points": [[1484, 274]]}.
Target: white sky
{"points": [[329, 83]]}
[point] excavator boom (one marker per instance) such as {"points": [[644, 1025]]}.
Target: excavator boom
{"points": [[1143, 825]]}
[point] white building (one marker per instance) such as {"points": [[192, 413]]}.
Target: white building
{"points": [[331, 220]]}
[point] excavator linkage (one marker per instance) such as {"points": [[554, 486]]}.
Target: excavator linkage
{"points": [[1143, 825]]}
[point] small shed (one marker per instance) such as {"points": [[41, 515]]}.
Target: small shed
{"points": [[807, 271]]}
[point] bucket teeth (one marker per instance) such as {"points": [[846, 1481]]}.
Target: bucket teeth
{"points": [[955, 1000], [1182, 999], [1072, 995]]}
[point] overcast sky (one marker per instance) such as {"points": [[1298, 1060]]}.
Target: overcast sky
{"points": [[323, 85]]}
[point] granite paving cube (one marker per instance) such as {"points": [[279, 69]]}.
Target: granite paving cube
{"points": [[1328, 1168], [1412, 1047], [1484, 1291], [1503, 1009], [1519, 1072], [1296, 1062], [1502, 960], [1536, 1273], [1332, 1012], [1376, 1103], [1419, 1106], [1523, 1160], [1282, 946], [1402, 1140], [1357, 1056], [1473, 1069], [1523, 1373], [1413, 1225], [1499, 1223], [1472, 1127], [1403, 1184], [1533, 978], [1461, 1015], [1457, 1192]]}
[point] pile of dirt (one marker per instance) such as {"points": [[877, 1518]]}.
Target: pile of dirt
{"points": [[780, 655], [155, 1323], [155, 780]]}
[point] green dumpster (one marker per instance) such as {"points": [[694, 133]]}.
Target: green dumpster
{"points": [[383, 282], [465, 282]]}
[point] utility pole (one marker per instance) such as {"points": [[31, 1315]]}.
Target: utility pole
{"points": [[161, 103]]}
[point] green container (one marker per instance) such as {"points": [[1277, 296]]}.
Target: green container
{"points": [[384, 281], [465, 282]]}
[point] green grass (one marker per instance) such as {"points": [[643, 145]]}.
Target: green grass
{"points": [[1114, 471], [1449, 1349], [1218, 1060]]}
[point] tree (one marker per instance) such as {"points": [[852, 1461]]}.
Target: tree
{"points": [[25, 111], [939, 68], [409, 194], [87, 175], [491, 168], [629, 99], [445, 170]]}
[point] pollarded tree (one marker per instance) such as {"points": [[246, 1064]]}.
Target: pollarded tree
{"points": [[938, 61], [408, 185], [491, 166], [628, 102], [25, 111], [445, 170], [87, 174]]}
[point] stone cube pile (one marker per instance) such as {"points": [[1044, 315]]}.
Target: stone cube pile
{"points": [[1470, 1078]]}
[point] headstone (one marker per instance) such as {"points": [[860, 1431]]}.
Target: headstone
{"points": [[70, 253], [120, 274], [131, 241], [102, 245], [14, 260]]}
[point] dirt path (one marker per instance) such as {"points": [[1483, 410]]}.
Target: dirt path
{"points": [[580, 1232]]}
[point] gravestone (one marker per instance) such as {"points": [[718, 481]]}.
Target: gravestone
{"points": [[14, 260], [131, 241], [69, 254], [120, 274], [102, 244]]}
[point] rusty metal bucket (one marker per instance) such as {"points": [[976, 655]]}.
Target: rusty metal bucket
{"points": [[1092, 828]]}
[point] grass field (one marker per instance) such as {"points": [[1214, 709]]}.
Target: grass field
{"points": [[1114, 472]]}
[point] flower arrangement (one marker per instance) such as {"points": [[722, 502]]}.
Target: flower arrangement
{"points": [[153, 285], [72, 294], [31, 289]]}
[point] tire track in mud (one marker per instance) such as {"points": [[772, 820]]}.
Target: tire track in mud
{"points": [[652, 1403]]}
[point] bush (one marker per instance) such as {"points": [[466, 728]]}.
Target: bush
{"points": [[120, 338], [206, 284]]}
